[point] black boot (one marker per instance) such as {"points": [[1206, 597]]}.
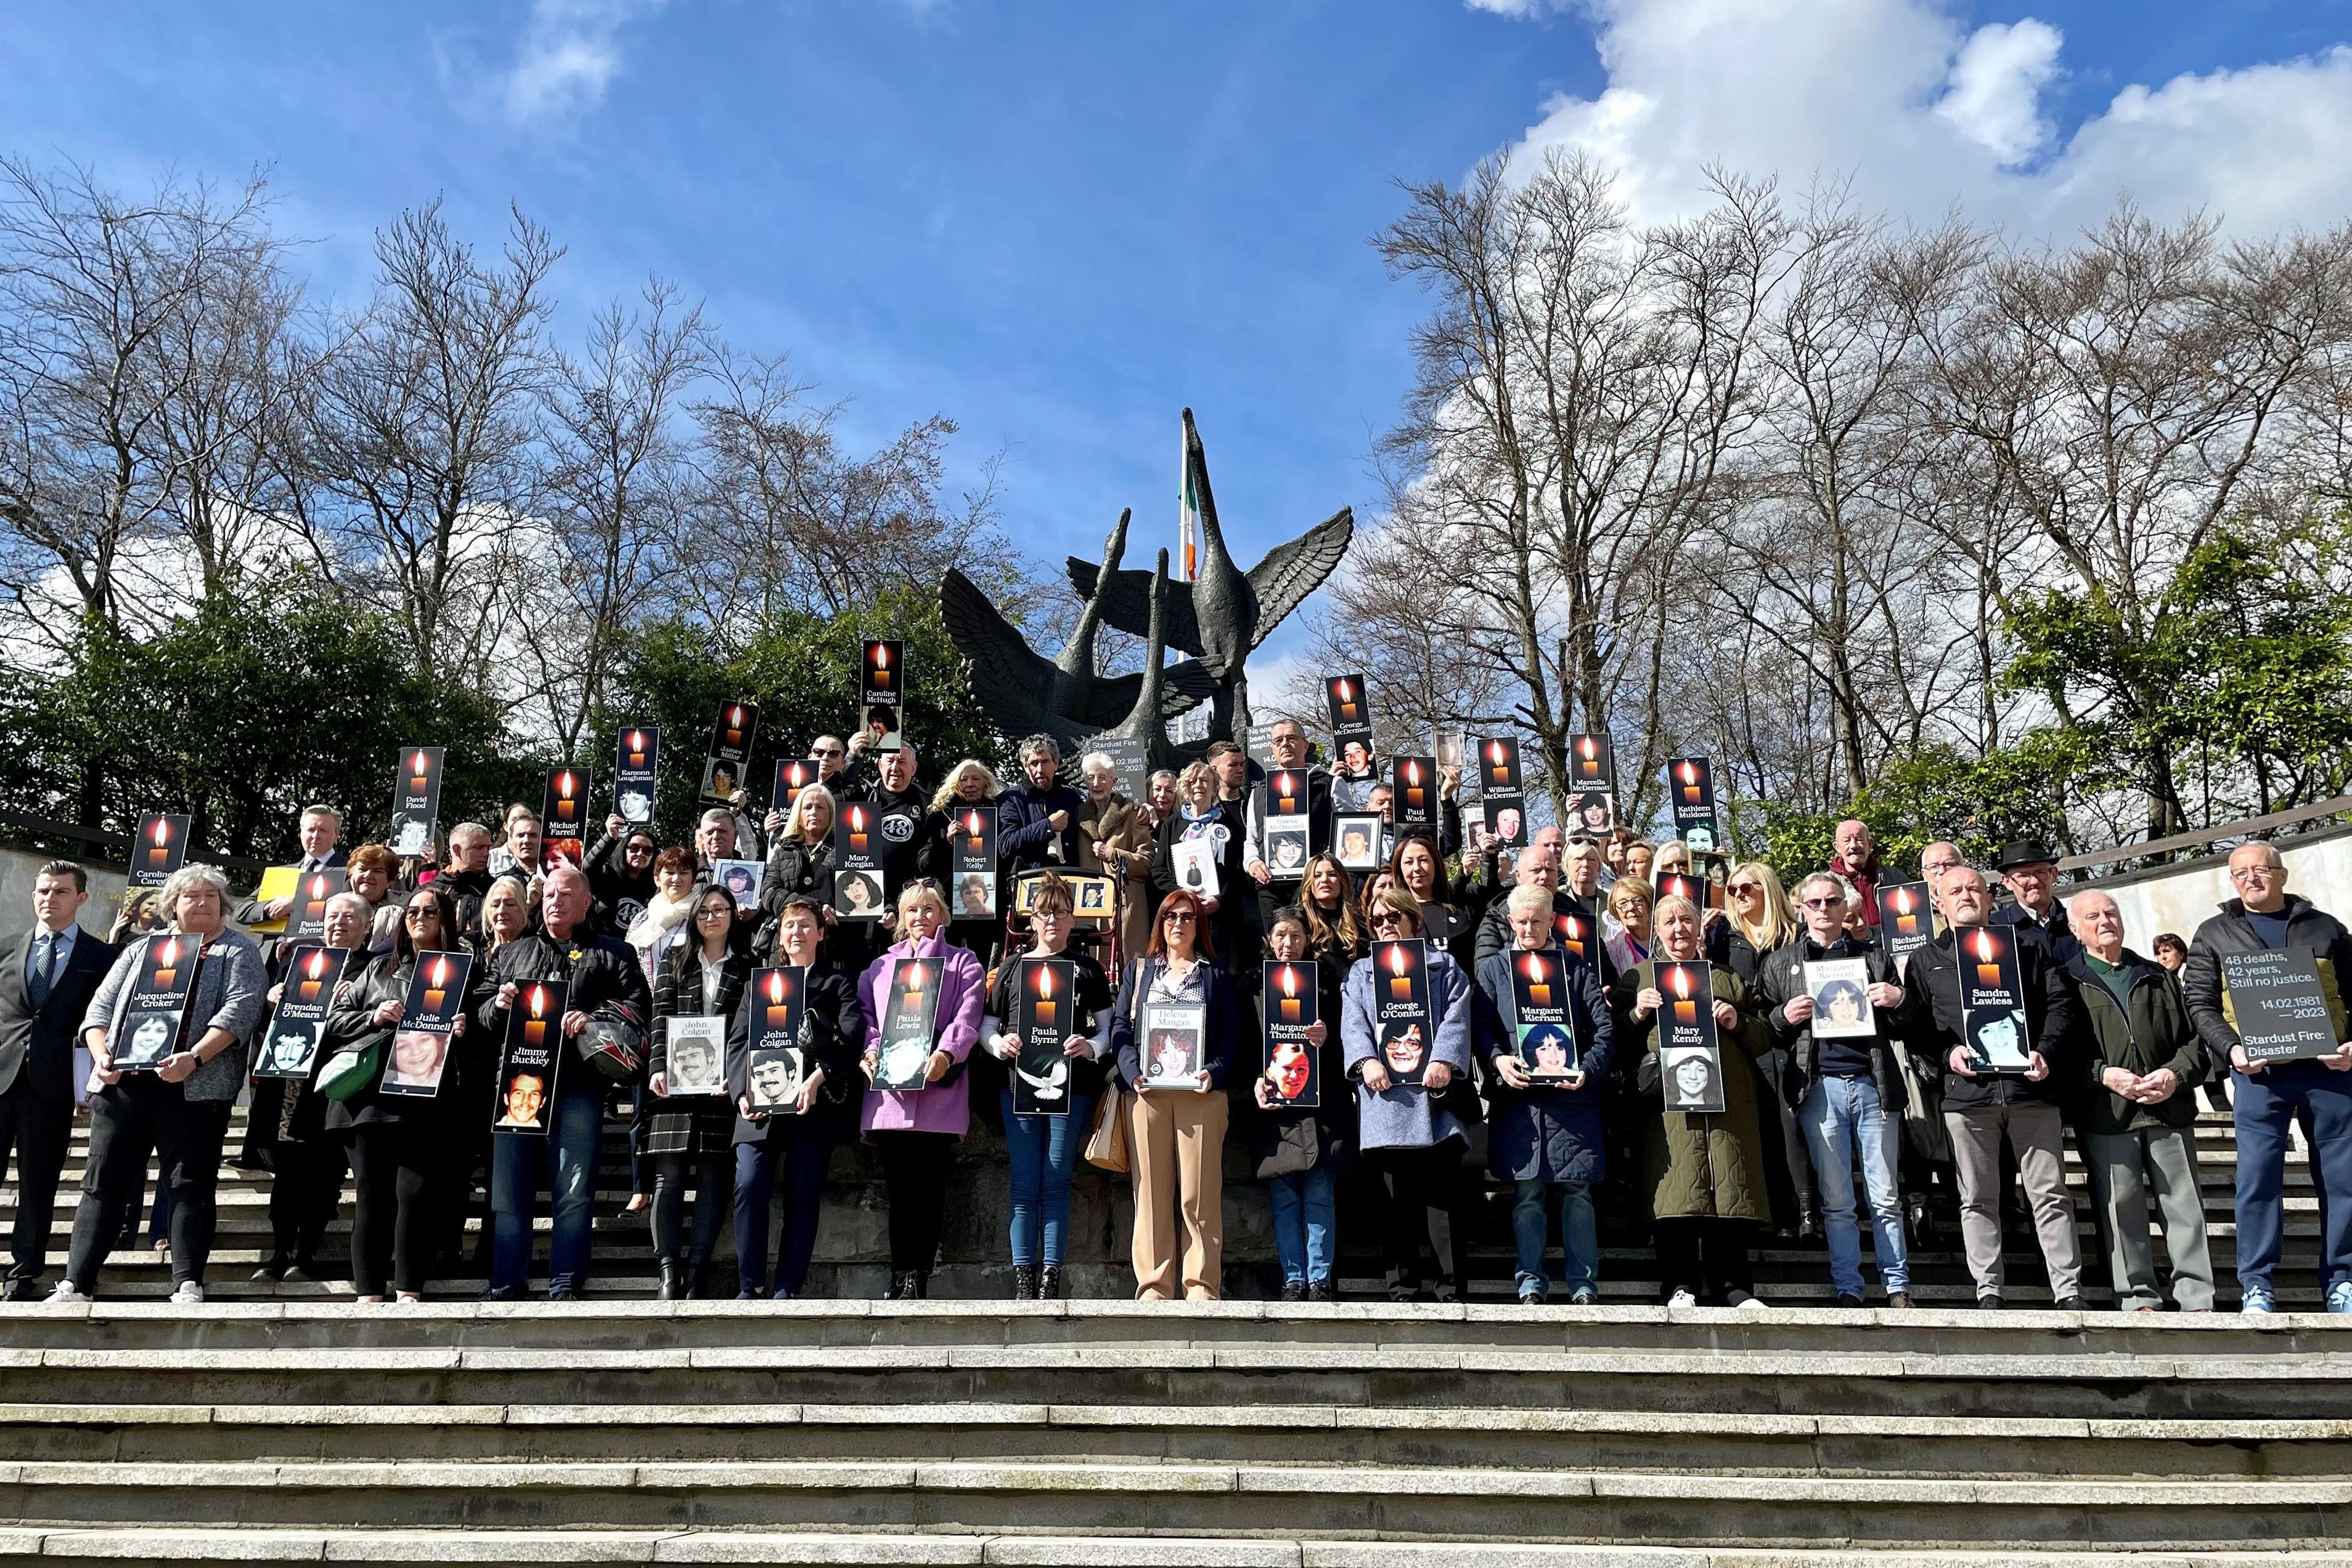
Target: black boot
{"points": [[1808, 1223], [1049, 1283], [1025, 1282], [673, 1281], [902, 1286], [919, 1285], [1921, 1223]]}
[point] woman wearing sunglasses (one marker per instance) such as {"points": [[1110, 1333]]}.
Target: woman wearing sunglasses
{"points": [[1760, 920]]}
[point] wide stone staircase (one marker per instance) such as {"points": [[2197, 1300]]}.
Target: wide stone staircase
{"points": [[281, 1423]]}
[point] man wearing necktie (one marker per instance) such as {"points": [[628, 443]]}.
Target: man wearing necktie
{"points": [[46, 977]]}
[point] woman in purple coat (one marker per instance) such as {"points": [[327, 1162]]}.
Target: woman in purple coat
{"points": [[915, 1128]]}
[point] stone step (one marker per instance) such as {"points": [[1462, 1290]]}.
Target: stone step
{"points": [[1909, 1446], [1541, 1504]]}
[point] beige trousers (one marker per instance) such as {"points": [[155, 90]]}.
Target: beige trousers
{"points": [[1179, 1169]]}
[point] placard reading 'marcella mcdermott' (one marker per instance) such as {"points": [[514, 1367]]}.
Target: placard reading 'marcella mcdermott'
{"points": [[2278, 1005]]}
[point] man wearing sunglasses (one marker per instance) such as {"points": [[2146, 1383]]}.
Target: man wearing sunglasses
{"points": [[2265, 918]]}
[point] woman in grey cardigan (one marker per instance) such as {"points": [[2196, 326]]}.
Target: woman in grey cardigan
{"points": [[181, 1106]]}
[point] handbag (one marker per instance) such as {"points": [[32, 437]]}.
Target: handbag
{"points": [[349, 1073], [1107, 1140]]}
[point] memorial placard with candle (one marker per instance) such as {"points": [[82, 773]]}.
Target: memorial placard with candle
{"points": [[415, 800], [733, 733], [1683, 885], [1292, 1005], [1690, 792], [1349, 708], [1690, 1056], [1907, 920], [773, 1066], [1045, 1017], [306, 919], [298, 1025], [1992, 999], [636, 756], [971, 861], [154, 1012], [1356, 839], [1499, 765], [159, 849], [1505, 817], [1413, 784], [857, 853], [882, 694], [1542, 1023], [529, 1057], [428, 1018], [1405, 1031], [910, 1009], [1173, 1046], [1572, 931], [792, 775], [2277, 1004], [563, 814], [1282, 808], [1592, 765]]}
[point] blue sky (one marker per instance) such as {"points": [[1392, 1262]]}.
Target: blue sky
{"points": [[1059, 224]]}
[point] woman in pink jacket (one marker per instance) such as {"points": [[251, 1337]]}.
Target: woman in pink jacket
{"points": [[915, 1127]]}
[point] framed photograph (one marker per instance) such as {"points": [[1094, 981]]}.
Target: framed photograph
{"points": [[1094, 899], [1173, 1045], [742, 879], [1839, 988], [1194, 861], [1356, 839], [697, 1053], [1592, 814]]}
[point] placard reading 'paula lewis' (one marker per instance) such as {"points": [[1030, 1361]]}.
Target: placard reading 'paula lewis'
{"points": [[910, 1015]]}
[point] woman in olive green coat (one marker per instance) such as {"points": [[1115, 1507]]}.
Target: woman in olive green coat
{"points": [[1707, 1168]]}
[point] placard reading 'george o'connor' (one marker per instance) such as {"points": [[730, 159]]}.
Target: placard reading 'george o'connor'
{"points": [[297, 1027], [1405, 1030], [636, 759], [530, 1056], [159, 849], [2278, 1005]]}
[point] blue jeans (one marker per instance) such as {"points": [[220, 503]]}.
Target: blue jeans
{"points": [[1306, 1226], [519, 1160], [804, 1161], [2262, 1105], [1839, 1114], [1579, 1236], [1043, 1151]]}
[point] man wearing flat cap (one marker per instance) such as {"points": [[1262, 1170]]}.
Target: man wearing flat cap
{"points": [[2030, 873]]}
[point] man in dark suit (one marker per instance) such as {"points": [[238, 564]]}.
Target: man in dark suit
{"points": [[321, 826], [46, 977]]}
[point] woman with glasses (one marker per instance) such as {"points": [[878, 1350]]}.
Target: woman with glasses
{"points": [[1706, 1167], [1412, 1135], [794, 1146], [1629, 912], [691, 1137], [1177, 1122], [1042, 1147], [1759, 921], [1202, 819], [915, 1131], [620, 866], [406, 1150], [305, 1154]]}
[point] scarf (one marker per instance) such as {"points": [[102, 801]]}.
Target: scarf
{"points": [[663, 915]]}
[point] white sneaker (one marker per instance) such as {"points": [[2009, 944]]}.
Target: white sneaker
{"points": [[66, 1293], [189, 1294], [1753, 1304], [1681, 1298]]}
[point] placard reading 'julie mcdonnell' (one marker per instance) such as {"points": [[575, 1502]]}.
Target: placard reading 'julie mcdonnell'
{"points": [[2278, 1005]]}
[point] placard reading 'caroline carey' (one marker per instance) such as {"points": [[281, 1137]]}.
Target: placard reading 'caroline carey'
{"points": [[1690, 1056], [529, 1057], [415, 800], [428, 1018], [1044, 1017], [1405, 1033], [1293, 1005], [637, 757], [159, 849], [297, 1027]]}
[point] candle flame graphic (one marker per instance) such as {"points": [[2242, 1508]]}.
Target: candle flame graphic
{"points": [[563, 785], [1495, 752], [1587, 747], [776, 988], [1984, 945], [1045, 983], [318, 964], [1346, 692], [1398, 964], [636, 740], [440, 969], [857, 820], [972, 823], [1289, 981], [1535, 966], [163, 833], [1575, 932], [539, 1001], [881, 656], [1413, 772], [1690, 772], [734, 717], [318, 887], [168, 954], [1903, 901], [1682, 983]]}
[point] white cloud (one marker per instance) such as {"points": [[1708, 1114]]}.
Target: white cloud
{"points": [[1997, 81], [1519, 7], [1924, 118], [571, 53]]}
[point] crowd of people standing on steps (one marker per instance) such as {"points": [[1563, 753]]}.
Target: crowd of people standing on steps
{"points": [[2122, 1042]]}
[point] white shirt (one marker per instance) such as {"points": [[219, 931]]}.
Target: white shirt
{"points": [[713, 970]]}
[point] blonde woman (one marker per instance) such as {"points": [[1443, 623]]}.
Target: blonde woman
{"points": [[1761, 919], [970, 785], [802, 863]]}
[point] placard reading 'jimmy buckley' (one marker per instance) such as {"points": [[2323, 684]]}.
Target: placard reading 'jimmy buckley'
{"points": [[773, 1066], [1992, 1000], [1690, 1056], [428, 1018], [882, 695], [563, 814], [1690, 791], [636, 756], [155, 1014], [297, 1027], [1293, 1005], [1405, 1032], [1044, 1017], [529, 1057], [415, 800], [159, 849], [910, 1015], [2278, 1005], [1543, 1024]]}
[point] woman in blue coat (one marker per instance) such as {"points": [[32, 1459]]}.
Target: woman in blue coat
{"points": [[1409, 1132], [1545, 1137]]}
